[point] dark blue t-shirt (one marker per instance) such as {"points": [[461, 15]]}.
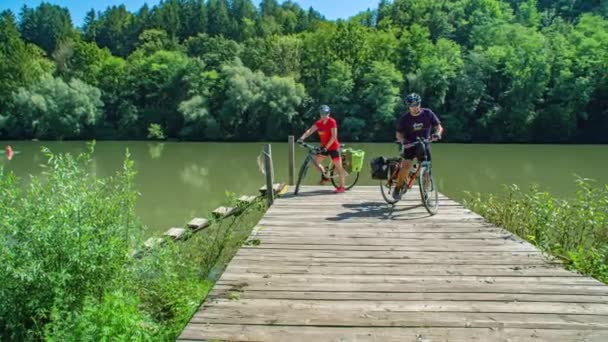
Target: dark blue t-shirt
{"points": [[420, 125]]}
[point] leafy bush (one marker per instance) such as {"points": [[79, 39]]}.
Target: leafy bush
{"points": [[576, 230], [67, 273], [63, 239]]}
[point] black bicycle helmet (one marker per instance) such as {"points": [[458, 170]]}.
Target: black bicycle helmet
{"points": [[324, 110], [412, 100]]}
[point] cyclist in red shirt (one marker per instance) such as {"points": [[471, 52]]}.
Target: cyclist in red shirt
{"points": [[330, 146]]}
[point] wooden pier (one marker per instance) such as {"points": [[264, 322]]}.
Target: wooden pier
{"points": [[348, 267]]}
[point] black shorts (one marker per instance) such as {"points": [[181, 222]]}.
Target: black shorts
{"points": [[334, 154], [416, 152]]}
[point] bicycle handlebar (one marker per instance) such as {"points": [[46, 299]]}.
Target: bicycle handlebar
{"points": [[312, 148], [417, 142]]}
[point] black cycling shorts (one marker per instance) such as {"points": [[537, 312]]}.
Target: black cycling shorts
{"points": [[334, 154], [416, 152]]}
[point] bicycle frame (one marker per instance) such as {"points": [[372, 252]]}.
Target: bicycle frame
{"points": [[421, 164], [313, 151], [350, 178]]}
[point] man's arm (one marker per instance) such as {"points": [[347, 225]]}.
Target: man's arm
{"points": [[436, 125], [308, 132], [400, 136], [438, 130]]}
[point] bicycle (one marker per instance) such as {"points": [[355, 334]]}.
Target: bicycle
{"points": [[421, 170], [350, 179]]}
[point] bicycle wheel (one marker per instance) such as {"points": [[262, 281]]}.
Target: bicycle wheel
{"points": [[350, 179], [301, 175], [428, 191], [388, 186]]}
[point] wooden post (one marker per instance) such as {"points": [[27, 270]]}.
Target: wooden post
{"points": [[268, 172], [291, 159]]}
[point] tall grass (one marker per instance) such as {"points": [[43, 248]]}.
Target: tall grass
{"points": [[576, 229], [66, 271]]}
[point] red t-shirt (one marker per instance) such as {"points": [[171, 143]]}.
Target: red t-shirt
{"points": [[324, 130]]}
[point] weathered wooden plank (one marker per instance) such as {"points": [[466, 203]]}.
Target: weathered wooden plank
{"points": [[391, 235], [388, 243], [396, 218], [362, 226], [247, 199], [387, 224], [270, 305], [402, 241], [223, 211], [235, 332], [427, 261], [388, 254], [410, 248], [445, 286], [278, 188], [353, 204], [327, 205], [175, 233], [224, 291], [237, 312], [153, 242], [457, 280], [404, 270], [198, 223]]}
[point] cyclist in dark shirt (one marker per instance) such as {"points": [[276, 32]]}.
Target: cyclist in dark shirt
{"points": [[417, 123]]}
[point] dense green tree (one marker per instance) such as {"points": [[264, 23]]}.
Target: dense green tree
{"points": [[21, 65], [432, 14], [80, 59], [213, 51], [154, 40], [280, 55], [436, 72], [167, 16], [337, 90], [572, 9], [52, 108], [193, 18], [520, 56], [157, 85], [257, 105], [589, 40], [46, 25], [493, 70], [381, 96], [115, 30], [469, 14], [317, 55], [219, 21], [89, 28], [244, 14]]}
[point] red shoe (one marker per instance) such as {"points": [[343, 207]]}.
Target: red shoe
{"points": [[339, 190]]}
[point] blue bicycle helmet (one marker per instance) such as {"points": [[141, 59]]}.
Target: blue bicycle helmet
{"points": [[324, 110], [412, 100]]}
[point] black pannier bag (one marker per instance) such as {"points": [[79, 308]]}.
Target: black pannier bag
{"points": [[379, 167]]}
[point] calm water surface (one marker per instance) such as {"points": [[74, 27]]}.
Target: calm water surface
{"points": [[178, 181]]}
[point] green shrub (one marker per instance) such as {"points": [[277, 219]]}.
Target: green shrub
{"points": [[576, 230], [67, 273], [63, 239]]}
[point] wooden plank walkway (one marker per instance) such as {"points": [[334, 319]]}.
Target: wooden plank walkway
{"points": [[350, 268]]}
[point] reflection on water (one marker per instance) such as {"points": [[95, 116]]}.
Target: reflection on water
{"points": [[180, 180], [196, 176], [156, 150]]}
